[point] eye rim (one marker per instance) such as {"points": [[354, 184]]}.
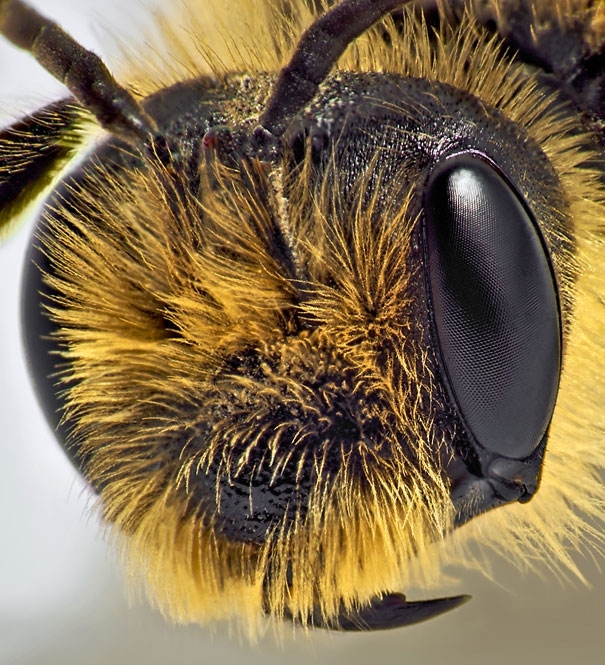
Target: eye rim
{"points": [[479, 157]]}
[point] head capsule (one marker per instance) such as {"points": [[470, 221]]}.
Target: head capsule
{"points": [[349, 312]]}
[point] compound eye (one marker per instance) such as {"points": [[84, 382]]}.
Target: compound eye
{"points": [[494, 303]]}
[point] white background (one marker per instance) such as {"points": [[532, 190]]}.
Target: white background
{"points": [[62, 599]]}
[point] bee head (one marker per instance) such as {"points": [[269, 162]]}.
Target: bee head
{"points": [[298, 351]]}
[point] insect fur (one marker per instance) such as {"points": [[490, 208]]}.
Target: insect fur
{"points": [[281, 371]]}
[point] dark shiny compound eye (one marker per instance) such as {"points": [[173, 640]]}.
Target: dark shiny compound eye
{"points": [[495, 305]]}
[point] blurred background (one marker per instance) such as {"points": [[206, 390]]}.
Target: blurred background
{"points": [[63, 598]]}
